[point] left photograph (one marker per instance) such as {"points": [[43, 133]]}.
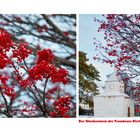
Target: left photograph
{"points": [[38, 66]]}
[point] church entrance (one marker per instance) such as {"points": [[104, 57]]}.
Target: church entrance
{"points": [[128, 111]]}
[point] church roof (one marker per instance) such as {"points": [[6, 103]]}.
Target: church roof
{"points": [[113, 77], [115, 93]]}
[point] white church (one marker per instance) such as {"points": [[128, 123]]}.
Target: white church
{"points": [[113, 102]]}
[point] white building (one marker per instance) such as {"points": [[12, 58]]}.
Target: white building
{"points": [[113, 102]]}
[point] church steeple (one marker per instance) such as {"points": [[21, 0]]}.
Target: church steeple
{"points": [[113, 102], [114, 84]]}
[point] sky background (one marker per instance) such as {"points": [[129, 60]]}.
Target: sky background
{"points": [[87, 31]]}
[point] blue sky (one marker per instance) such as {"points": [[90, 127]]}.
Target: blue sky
{"points": [[87, 31]]}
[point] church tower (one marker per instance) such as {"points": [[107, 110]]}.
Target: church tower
{"points": [[113, 102], [114, 85]]}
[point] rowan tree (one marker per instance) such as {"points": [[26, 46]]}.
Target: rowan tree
{"points": [[37, 62], [121, 47]]}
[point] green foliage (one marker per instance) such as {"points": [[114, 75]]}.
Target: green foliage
{"points": [[88, 75]]}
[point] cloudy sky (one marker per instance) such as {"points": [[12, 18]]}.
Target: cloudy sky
{"points": [[87, 31]]}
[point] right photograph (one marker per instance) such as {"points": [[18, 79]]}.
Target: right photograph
{"points": [[109, 65]]}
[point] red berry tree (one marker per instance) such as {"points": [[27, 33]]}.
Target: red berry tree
{"points": [[121, 47], [33, 76]]}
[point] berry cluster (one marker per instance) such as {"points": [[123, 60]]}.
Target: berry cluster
{"points": [[45, 55], [61, 107], [21, 52], [5, 41], [44, 69]]}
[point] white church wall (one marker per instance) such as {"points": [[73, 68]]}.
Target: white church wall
{"points": [[108, 106]]}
